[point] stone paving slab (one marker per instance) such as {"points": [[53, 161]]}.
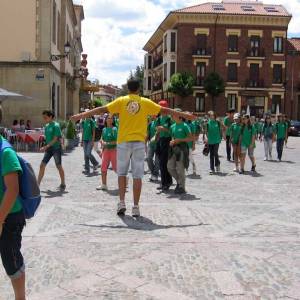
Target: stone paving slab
{"points": [[231, 237]]}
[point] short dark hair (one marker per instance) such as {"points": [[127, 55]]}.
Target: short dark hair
{"points": [[48, 113], [133, 85], [231, 111]]}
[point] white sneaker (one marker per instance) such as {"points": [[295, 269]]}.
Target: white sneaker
{"points": [[236, 170], [102, 187], [135, 211], [153, 178], [121, 208], [265, 159]]}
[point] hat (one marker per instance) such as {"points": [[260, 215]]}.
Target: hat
{"points": [[163, 103], [236, 116]]}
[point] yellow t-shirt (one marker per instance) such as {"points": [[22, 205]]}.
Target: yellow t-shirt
{"points": [[133, 113]]}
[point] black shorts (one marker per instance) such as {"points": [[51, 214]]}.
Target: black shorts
{"points": [[10, 244], [55, 153]]}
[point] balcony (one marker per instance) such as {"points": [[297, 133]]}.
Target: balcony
{"points": [[157, 61], [277, 81], [202, 52], [199, 81], [256, 53], [157, 86], [255, 84]]}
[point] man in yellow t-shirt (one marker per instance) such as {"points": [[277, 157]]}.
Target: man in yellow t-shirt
{"points": [[133, 112]]}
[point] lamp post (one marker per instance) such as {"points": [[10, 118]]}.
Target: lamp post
{"points": [[67, 50]]}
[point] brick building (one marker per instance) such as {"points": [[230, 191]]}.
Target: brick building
{"points": [[244, 41]]}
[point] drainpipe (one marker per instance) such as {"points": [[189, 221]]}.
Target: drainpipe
{"points": [[215, 42]]}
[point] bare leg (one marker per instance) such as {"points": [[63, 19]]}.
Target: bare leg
{"points": [[19, 287], [137, 189], [122, 187], [243, 156], [104, 178], [41, 173], [61, 174], [253, 161]]}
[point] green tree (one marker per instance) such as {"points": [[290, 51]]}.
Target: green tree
{"points": [[214, 86], [181, 84], [97, 102], [138, 74]]}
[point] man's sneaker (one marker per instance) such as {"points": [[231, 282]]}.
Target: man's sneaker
{"points": [[159, 188], [166, 188], [121, 209], [153, 178], [218, 168], [265, 159], [62, 187], [236, 170], [102, 187], [211, 172], [135, 211], [176, 189], [86, 172]]}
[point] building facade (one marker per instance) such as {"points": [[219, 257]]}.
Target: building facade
{"points": [[245, 42], [108, 92], [35, 30]]}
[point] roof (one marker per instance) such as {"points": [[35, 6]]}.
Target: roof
{"points": [[295, 43], [237, 8]]}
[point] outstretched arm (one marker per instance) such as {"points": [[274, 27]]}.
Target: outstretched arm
{"points": [[173, 112], [87, 114]]}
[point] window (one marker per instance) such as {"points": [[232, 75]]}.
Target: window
{"points": [[172, 69], [277, 74], [276, 103], [254, 72], [149, 62], [271, 9], [54, 23], [166, 43], [232, 72], [201, 44], [200, 103], [201, 72], [58, 100], [233, 43], [231, 101], [165, 72], [278, 45], [247, 8], [149, 83], [218, 7], [173, 42], [58, 33], [255, 46]]}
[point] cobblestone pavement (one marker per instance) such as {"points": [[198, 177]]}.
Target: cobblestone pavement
{"points": [[231, 237]]}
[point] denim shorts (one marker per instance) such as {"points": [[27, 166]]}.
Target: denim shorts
{"points": [[250, 151], [55, 153], [10, 245], [134, 153]]}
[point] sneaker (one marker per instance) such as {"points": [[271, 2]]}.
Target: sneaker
{"points": [[121, 209], [95, 168], [218, 168], [62, 187], [242, 171], [176, 189], [253, 169], [166, 188], [102, 187], [236, 170], [135, 211], [211, 172], [270, 156], [180, 191], [153, 178], [265, 159], [86, 172], [159, 188]]}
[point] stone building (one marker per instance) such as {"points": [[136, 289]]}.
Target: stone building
{"points": [[245, 42], [32, 31]]}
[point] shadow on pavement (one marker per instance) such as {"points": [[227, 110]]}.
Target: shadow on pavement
{"points": [[113, 192], [192, 176], [54, 194], [184, 197], [141, 223]]}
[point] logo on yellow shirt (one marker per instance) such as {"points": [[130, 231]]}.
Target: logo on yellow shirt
{"points": [[133, 107]]}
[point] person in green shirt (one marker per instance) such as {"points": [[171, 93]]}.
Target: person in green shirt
{"points": [[109, 146], [213, 134], [228, 120], [179, 152], [88, 140], [12, 221], [235, 133], [288, 125], [152, 157], [267, 134], [53, 148], [247, 141], [281, 130]]}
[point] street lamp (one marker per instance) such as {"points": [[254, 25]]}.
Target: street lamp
{"points": [[67, 50]]}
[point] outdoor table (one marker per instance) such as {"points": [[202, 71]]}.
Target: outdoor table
{"points": [[29, 137]]}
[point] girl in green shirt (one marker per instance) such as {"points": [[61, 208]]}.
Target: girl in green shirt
{"points": [[247, 141], [235, 134]]}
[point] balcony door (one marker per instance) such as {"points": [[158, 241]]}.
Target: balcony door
{"points": [[201, 44], [255, 45], [254, 75]]}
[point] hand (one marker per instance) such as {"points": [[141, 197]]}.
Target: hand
{"points": [[172, 143], [43, 149], [76, 118], [159, 129]]}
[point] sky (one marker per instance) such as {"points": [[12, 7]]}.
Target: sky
{"points": [[115, 31]]}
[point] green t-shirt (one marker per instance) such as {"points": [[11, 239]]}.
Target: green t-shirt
{"points": [[88, 126], [193, 129], [228, 122], [180, 130], [10, 164], [281, 130], [214, 132], [247, 134], [110, 135], [197, 126], [52, 130], [235, 133], [166, 122], [152, 131], [267, 131]]}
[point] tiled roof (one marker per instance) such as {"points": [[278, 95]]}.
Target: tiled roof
{"points": [[295, 43], [237, 8]]}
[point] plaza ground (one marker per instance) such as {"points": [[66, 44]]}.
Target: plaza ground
{"points": [[231, 237]]}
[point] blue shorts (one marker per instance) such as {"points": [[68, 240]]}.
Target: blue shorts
{"points": [[10, 245], [134, 153], [55, 153]]}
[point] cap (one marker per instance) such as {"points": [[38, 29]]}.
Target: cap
{"points": [[236, 116], [163, 103]]}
